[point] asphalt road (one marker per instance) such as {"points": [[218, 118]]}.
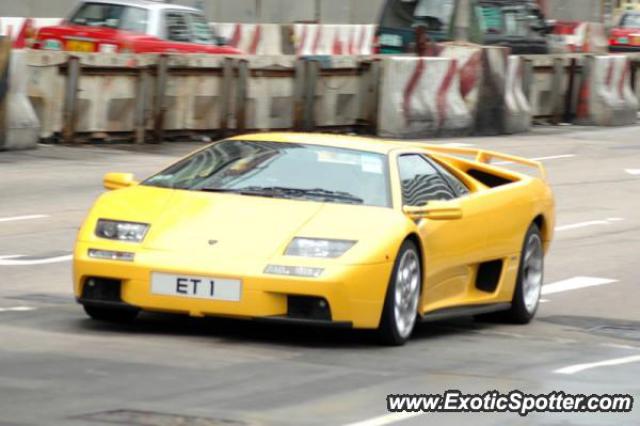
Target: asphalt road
{"points": [[59, 368]]}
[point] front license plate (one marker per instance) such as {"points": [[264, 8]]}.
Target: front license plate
{"points": [[196, 287], [393, 40], [80, 46]]}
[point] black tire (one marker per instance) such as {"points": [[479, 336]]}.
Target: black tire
{"points": [[389, 332], [112, 315], [519, 313]]}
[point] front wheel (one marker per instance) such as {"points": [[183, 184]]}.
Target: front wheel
{"points": [[526, 297], [400, 311]]}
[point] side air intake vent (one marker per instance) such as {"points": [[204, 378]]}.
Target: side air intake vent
{"points": [[489, 274]]}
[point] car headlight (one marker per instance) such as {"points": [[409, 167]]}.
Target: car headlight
{"points": [[313, 247], [121, 231]]}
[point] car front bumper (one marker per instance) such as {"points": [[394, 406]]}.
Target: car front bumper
{"points": [[354, 293], [624, 48]]}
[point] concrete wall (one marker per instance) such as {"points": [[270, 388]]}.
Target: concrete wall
{"points": [[576, 10], [280, 11]]}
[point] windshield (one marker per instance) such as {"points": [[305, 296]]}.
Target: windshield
{"points": [[630, 20], [434, 14], [510, 21], [114, 16], [282, 170]]}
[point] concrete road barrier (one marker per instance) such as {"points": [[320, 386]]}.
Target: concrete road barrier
{"points": [[23, 124], [5, 64], [606, 95], [265, 93], [252, 39], [518, 110], [337, 91], [21, 30], [491, 115], [469, 57], [99, 96], [490, 84], [19, 125], [420, 97], [579, 37], [320, 39], [477, 90], [102, 99]]}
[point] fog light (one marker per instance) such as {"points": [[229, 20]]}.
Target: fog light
{"points": [[295, 271], [111, 255]]}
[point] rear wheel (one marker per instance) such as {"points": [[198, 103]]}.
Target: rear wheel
{"points": [[114, 315], [403, 295], [526, 297]]}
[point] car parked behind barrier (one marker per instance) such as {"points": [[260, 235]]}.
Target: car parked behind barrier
{"points": [[136, 26], [625, 37]]}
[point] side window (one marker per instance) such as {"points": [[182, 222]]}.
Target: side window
{"points": [[456, 184], [135, 19], [201, 30], [177, 27], [421, 182]]}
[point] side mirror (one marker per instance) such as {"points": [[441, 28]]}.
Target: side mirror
{"points": [[435, 210], [113, 181], [550, 25]]}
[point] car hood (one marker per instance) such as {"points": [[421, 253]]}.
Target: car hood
{"points": [[616, 32], [67, 29], [241, 226]]}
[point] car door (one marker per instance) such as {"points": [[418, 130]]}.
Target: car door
{"points": [[452, 248]]}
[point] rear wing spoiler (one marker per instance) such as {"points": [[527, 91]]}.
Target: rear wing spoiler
{"points": [[486, 157]]}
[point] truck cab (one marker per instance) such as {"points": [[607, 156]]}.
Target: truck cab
{"points": [[519, 25]]}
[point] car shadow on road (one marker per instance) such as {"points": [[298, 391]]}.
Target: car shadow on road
{"points": [[256, 332]]}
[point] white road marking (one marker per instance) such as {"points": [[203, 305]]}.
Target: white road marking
{"points": [[29, 217], [15, 260], [633, 172], [573, 369], [545, 300], [604, 222], [387, 419], [619, 346], [17, 309], [575, 283]]}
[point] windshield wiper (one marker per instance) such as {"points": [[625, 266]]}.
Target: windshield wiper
{"points": [[244, 191], [300, 192]]}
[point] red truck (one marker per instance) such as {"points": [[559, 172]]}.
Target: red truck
{"points": [[132, 26]]}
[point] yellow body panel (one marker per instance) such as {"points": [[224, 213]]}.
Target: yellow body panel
{"points": [[253, 232]]}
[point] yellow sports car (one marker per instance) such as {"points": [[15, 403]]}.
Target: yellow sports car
{"points": [[320, 229]]}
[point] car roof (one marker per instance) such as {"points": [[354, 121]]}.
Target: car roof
{"points": [[360, 143], [147, 4]]}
